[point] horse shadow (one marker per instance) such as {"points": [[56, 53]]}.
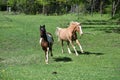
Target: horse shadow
{"points": [[62, 59], [90, 53], [67, 59]]}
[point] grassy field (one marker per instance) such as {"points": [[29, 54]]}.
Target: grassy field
{"points": [[21, 56]]}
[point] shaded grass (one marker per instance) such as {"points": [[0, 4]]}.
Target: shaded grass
{"points": [[21, 57]]}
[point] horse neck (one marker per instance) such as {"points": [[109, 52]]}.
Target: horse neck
{"points": [[44, 36], [72, 28]]}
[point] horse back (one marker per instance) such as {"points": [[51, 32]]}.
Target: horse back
{"points": [[49, 37], [65, 34]]}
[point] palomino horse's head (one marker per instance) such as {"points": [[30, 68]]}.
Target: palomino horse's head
{"points": [[77, 27]]}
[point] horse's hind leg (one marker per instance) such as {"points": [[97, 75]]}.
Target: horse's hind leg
{"points": [[62, 46], [69, 51], [46, 55], [51, 50], [79, 46]]}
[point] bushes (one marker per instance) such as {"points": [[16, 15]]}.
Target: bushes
{"points": [[59, 7], [38, 6]]}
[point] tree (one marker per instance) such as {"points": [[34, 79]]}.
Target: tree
{"points": [[3, 6], [43, 3], [101, 7], [115, 4]]}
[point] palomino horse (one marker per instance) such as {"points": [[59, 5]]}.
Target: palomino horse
{"points": [[46, 42], [69, 35]]}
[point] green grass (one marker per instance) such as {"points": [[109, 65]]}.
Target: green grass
{"points": [[21, 56]]}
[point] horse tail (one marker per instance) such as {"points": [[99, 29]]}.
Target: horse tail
{"points": [[57, 32]]}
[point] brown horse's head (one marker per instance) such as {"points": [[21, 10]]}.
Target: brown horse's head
{"points": [[77, 27], [42, 31]]}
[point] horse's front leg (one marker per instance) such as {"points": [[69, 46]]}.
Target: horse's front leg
{"points": [[69, 51], [46, 55], [73, 47], [77, 41]]}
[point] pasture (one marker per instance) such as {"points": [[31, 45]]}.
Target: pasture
{"points": [[21, 56]]}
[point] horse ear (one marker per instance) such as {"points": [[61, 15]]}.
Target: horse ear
{"points": [[72, 23], [78, 23], [43, 25]]}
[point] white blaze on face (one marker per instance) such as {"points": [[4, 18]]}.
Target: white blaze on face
{"points": [[80, 30]]}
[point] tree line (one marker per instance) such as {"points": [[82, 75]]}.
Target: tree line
{"points": [[58, 7]]}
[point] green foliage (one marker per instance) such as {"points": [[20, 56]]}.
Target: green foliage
{"points": [[59, 7]]}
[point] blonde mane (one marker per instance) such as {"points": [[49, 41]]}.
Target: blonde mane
{"points": [[72, 23]]}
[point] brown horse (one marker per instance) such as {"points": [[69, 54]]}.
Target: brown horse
{"points": [[69, 35], [46, 42]]}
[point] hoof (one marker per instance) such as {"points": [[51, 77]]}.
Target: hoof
{"points": [[82, 52], [76, 54], [46, 62]]}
